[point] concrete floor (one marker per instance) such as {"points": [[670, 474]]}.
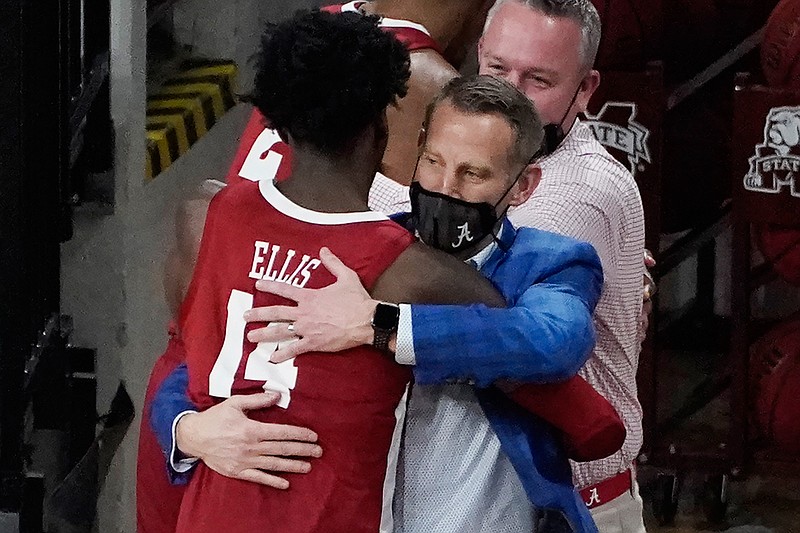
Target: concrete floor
{"points": [[760, 503], [757, 505]]}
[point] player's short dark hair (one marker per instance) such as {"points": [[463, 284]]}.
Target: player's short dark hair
{"points": [[480, 94], [324, 77]]}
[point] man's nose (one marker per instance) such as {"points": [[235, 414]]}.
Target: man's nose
{"points": [[513, 77], [450, 186]]}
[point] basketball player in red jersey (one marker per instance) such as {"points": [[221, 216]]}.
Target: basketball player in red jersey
{"points": [[337, 134], [425, 28]]}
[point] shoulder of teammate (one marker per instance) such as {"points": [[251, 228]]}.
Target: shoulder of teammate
{"points": [[247, 138], [429, 72], [190, 222], [378, 245], [191, 214], [550, 252], [389, 239], [421, 274], [196, 212]]}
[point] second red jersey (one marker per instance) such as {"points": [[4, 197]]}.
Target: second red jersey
{"points": [[262, 155], [353, 400]]}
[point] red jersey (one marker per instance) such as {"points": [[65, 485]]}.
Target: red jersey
{"points": [[414, 36], [354, 400], [262, 154]]}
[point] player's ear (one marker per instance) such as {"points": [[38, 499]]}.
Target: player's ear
{"points": [[526, 184], [421, 137], [587, 87]]}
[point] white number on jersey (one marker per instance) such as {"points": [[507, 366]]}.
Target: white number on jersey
{"points": [[280, 378], [258, 166]]}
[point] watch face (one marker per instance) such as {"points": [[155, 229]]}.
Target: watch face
{"points": [[386, 316]]}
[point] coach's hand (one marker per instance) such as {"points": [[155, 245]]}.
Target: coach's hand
{"points": [[331, 319], [230, 443], [648, 291]]}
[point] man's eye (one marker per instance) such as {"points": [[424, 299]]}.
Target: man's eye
{"points": [[540, 81], [497, 68]]}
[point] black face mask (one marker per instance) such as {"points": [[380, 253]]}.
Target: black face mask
{"points": [[554, 133], [447, 223], [450, 224]]}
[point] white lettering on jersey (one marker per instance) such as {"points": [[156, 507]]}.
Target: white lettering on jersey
{"points": [[257, 272], [298, 275], [220, 380], [261, 163], [289, 255], [306, 273], [280, 377]]}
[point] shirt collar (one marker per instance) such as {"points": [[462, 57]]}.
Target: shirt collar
{"points": [[479, 259], [494, 251]]}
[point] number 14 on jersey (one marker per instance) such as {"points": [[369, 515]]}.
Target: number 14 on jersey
{"points": [[280, 378]]}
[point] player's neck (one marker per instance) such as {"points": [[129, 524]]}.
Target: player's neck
{"points": [[326, 185], [437, 17]]}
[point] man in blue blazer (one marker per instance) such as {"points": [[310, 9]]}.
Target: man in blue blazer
{"points": [[472, 459]]}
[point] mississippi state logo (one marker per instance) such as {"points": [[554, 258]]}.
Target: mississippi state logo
{"points": [[615, 127], [777, 161]]}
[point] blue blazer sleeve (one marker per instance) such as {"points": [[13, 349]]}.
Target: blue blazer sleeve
{"points": [[552, 284], [170, 400]]}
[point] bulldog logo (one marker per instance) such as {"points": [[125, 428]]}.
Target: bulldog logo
{"points": [[623, 133], [777, 161]]}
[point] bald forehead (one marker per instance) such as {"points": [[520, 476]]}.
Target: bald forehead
{"points": [[532, 40], [579, 16]]}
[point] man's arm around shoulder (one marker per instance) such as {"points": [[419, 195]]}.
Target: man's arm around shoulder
{"points": [[545, 335]]}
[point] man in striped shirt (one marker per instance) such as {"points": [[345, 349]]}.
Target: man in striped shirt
{"points": [[584, 193]]}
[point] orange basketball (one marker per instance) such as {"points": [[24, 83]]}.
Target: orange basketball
{"points": [[775, 367]]}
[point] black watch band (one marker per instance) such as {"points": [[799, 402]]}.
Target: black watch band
{"points": [[384, 322]]}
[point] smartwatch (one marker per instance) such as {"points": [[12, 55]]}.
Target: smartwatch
{"points": [[384, 323]]}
